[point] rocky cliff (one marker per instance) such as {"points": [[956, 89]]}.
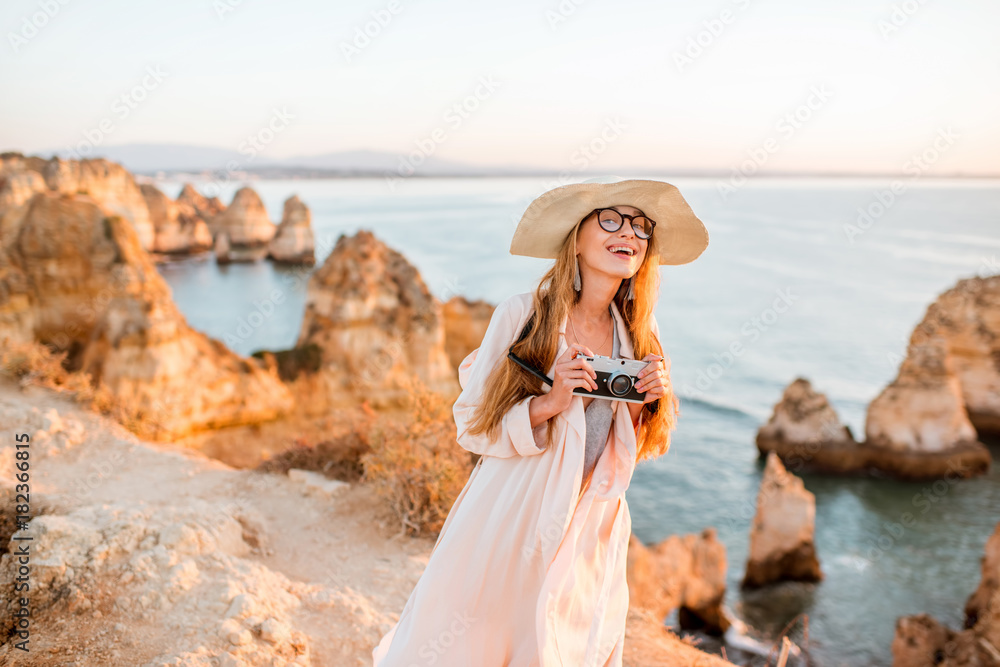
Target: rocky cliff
{"points": [[178, 227], [922, 641], [79, 280], [110, 185], [375, 323], [686, 573]]}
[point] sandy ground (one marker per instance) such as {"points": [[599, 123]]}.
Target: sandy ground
{"points": [[148, 554]]}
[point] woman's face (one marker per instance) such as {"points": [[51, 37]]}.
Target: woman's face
{"points": [[594, 246]]}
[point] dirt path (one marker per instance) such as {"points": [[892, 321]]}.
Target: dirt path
{"points": [[158, 555]]}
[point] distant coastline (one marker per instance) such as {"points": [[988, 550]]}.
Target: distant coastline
{"points": [[169, 161]]}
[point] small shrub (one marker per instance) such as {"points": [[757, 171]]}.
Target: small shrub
{"points": [[417, 465], [337, 458]]}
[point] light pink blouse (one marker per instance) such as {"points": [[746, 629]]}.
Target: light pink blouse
{"points": [[529, 568]]}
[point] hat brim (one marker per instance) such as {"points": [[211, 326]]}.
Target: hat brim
{"points": [[680, 236]]}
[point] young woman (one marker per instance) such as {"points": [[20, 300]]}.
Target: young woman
{"points": [[529, 567]]}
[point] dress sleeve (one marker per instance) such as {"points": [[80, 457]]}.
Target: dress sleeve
{"points": [[516, 437]]}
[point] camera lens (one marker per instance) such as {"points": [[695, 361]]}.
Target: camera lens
{"points": [[620, 384]]}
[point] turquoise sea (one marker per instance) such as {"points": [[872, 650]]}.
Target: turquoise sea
{"points": [[794, 274]]}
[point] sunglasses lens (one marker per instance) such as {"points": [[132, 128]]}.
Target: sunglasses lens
{"points": [[609, 220], [643, 227]]}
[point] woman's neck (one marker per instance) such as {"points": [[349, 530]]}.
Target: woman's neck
{"points": [[592, 308]]}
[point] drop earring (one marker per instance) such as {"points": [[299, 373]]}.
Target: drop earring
{"points": [[576, 277], [631, 291]]}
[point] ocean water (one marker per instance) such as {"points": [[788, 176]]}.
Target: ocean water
{"points": [[794, 276]]}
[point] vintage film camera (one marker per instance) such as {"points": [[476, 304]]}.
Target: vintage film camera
{"points": [[616, 378]]}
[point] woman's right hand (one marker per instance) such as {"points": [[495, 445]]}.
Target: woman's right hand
{"points": [[569, 374]]}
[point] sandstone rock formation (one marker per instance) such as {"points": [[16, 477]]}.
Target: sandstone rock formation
{"points": [[20, 178], [922, 641], [178, 228], [465, 324], [78, 279], [222, 249], [921, 415], [148, 556], [110, 185], [926, 423], [967, 317], [205, 208], [984, 603], [687, 573], [245, 221], [293, 243], [805, 431], [375, 323], [781, 537]]}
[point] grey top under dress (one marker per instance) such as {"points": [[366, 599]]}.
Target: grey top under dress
{"points": [[599, 415]]}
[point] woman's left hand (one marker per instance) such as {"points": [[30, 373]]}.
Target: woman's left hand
{"points": [[653, 379]]}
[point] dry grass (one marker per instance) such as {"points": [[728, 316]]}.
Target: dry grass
{"points": [[337, 458], [415, 463], [417, 466], [35, 364]]}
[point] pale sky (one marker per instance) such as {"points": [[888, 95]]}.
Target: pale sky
{"points": [[604, 74]]}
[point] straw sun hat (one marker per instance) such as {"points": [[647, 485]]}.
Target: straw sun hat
{"points": [[680, 235]]}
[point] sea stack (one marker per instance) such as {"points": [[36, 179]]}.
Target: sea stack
{"points": [[245, 221], [781, 538], [375, 323], [294, 243], [205, 208]]}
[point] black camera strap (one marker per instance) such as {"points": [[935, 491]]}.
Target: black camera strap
{"points": [[521, 362], [652, 406]]}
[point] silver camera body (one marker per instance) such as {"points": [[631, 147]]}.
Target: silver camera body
{"points": [[616, 379]]}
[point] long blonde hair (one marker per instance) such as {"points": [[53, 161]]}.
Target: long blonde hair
{"points": [[508, 383]]}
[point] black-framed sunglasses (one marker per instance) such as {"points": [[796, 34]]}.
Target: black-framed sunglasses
{"points": [[611, 220]]}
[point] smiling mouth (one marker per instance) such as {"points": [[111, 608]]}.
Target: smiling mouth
{"points": [[621, 251]]}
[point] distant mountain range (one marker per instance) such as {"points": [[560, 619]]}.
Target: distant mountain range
{"points": [[151, 159], [170, 159]]}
